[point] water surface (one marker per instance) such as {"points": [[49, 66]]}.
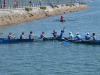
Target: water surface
{"points": [[53, 58]]}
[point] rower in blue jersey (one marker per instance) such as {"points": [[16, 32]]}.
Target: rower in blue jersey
{"points": [[22, 36], [87, 37], [42, 36], [54, 32], [31, 36], [55, 35], [10, 36], [78, 37], [94, 37], [71, 36], [61, 34]]}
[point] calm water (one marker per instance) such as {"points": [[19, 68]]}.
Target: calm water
{"points": [[53, 58]]}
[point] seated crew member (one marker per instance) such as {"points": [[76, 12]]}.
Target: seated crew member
{"points": [[87, 37], [71, 36], [10, 36], [22, 36], [42, 35], [94, 37], [78, 37], [31, 36], [55, 35]]}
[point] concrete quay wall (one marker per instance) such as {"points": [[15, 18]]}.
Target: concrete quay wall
{"points": [[18, 15]]}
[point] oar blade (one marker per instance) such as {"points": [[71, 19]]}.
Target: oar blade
{"points": [[66, 42]]}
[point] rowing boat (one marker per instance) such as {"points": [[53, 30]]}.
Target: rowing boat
{"points": [[6, 41], [74, 41], [97, 42], [89, 42], [52, 39]]}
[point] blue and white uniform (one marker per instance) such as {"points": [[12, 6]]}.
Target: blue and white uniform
{"points": [[30, 36], [87, 37], [95, 38], [41, 36], [9, 37], [71, 36], [79, 37], [21, 37], [55, 35]]}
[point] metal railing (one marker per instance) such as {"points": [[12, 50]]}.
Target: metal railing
{"points": [[33, 3]]}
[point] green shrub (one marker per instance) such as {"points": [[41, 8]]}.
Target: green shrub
{"points": [[54, 6], [28, 9], [70, 5], [82, 3], [43, 8], [73, 4]]}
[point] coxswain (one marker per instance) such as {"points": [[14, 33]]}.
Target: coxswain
{"points": [[78, 37], [94, 37], [61, 34], [31, 36], [10, 36], [87, 36], [22, 36], [71, 36], [42, 36]]}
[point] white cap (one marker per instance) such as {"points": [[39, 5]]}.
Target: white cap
{"points": [[77, 33], [87, 33], [70, 32]]}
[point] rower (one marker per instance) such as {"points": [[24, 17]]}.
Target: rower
{"points": [[94, 37], [71, 36], [78, 37], [42, 36], [31, 36], [87, 37], [22, 36], [55, 35], [10, 36]]}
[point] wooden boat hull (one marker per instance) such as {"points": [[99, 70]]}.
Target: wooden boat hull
{"points": [[74, 41], [86, 42], [7, 41], [52, 39]]}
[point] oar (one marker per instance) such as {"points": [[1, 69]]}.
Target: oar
{"points": [[63, 28], [66, 42]]}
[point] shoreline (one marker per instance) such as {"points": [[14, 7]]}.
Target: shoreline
{"points": [[19, 15]]}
